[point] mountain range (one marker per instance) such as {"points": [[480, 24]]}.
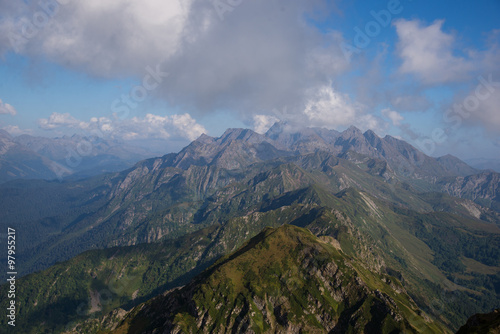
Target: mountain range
{"points": [[31, 157], [392, 236]]}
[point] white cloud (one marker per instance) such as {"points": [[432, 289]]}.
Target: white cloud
{"points": [[332, 109], [262, 123], [427, 52], [104, 38], [15, 130], [57, 120], [7, 109], [150, 127], [187, 125], [394, 116], [261, 56], [160, 127]]}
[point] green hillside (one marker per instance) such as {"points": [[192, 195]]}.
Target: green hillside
{"points": [[284, 279]]}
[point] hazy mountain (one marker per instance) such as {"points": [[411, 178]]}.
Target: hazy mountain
{"points": [[18, 161], [301, 140], [29, 157], [404, 159], [483, 163], [86, 155], [236, 148], [48, 158]]}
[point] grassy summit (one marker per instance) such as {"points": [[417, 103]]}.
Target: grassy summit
{"points": [[283, 280]]}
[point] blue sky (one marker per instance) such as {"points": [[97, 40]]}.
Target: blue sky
{"points": [[424, 71]]}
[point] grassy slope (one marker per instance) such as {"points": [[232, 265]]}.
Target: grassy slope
{"points": [[282, 279]]}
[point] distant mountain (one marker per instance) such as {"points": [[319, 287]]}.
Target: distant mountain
{"points": [[283, 280], [456, 166], [18, 161], [29, 157], [404, 159]]}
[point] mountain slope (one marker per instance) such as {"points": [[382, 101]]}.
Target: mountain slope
{"points": [[482, 324], [172, 195], [422, 250], [282, 280]]}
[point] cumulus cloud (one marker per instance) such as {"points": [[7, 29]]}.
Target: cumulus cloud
{"points": [[57, 120], [427, 52], [7, 109], [262, 56], [329, 108], [173, 127], [257, 55], [394, 116], [434, 57], [161, 127], [107, 39]]}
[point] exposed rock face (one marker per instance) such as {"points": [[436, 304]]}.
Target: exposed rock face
{"points": [[479, 186]]}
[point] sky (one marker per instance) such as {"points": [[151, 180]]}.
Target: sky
{"points": [[169, 70]]}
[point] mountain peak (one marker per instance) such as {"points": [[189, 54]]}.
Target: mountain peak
{"points": [[245, 135], [370, 133], [351, 131], [204, 138]]}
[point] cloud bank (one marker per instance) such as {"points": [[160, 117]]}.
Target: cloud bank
{"points": [[255, 59], [245, 57], [175, 127]]}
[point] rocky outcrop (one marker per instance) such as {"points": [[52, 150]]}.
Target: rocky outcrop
{"points": [[488, 323]]}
